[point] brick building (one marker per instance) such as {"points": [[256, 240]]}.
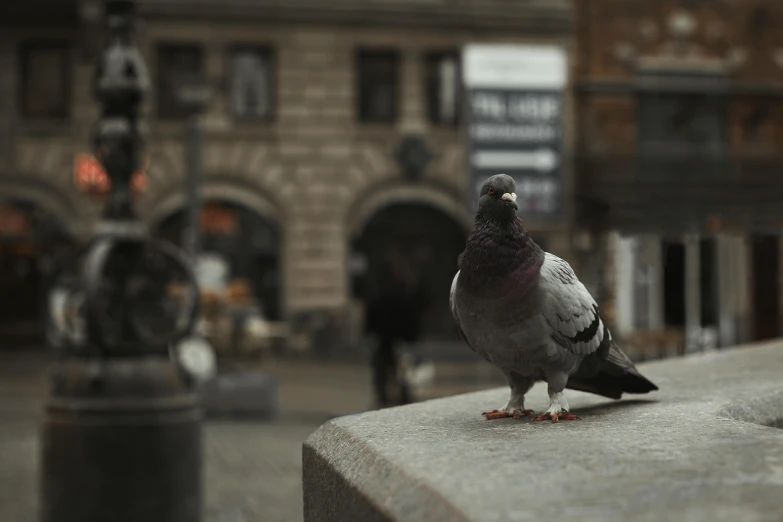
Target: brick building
{"points": [[680, 111], [314, 101]]}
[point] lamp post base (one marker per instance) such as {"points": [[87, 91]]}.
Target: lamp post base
{"points": [[121, 441]]}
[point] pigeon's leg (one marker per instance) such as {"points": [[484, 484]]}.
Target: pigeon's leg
{"points": [[558, 405], [515, 407]]}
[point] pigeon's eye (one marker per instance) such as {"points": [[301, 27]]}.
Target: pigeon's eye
{"points": [[491, 191]]}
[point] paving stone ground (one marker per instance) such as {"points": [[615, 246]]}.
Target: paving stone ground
{"points": [[252, 468]]}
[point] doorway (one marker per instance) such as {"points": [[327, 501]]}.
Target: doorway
{"points": [[766, 300], [427, 243], [33, 243], [673, 284]]}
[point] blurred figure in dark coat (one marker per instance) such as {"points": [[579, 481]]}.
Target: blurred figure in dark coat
{"points": [[393, 318]]}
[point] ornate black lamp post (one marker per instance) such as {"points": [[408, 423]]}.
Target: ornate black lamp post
{"points": [[121, 433]]}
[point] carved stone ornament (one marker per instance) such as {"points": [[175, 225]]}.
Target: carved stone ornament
{"points": [[413, 156]]}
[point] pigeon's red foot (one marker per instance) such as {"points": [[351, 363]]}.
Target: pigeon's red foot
{"points": [[556, 417], [497, 414]]}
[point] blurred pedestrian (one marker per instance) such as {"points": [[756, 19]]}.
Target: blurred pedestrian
{"points": [[242, 306], [393, 318]]}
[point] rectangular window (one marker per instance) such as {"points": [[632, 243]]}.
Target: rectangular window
{"points": [[681, 135], [682, 123], [443, 88], [177, 65], [252, 83], [377, 85], [45, 80]]}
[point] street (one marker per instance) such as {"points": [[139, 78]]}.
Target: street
{"points": [[252, 468]]}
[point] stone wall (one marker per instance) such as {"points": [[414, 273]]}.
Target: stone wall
{"points": [[620, 38], [36, 158], [315, 166]]}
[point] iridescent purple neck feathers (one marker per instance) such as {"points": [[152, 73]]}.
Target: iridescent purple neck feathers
{"points": [[499, 257]]}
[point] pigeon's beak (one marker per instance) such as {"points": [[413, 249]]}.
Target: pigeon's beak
{"points": [[511, 197]]}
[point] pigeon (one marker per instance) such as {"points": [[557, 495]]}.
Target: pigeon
{"points": [[524, 310]]}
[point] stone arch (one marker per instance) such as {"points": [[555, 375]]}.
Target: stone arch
{"points": [[57, 203], [425, 194], [252, 253], [28, 261], [415, 232], [219, 188]]}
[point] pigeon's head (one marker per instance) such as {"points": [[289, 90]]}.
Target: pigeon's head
{"points": [[497, 200]]}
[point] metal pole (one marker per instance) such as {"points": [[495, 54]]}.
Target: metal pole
{"points": [[193, 160], [121, 430]]}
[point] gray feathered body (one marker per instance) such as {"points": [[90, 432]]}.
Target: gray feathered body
{"points": [[525, 311]]}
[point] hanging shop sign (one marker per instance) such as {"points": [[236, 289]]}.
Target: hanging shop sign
{"points": [[515, 101], [219, 220], [91, 178]]}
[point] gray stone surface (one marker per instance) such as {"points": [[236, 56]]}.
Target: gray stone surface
{"points": [[701, 449], [240, 394]]}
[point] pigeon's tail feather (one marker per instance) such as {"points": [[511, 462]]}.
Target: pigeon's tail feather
{"points": [[615, 375], [612, 386]]}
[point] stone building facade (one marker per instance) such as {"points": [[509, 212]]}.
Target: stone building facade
{"points": [[315, 162], [679, 109]]}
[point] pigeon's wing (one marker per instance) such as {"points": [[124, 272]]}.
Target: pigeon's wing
{"points": [[453, 306], [455, 313], [569, 309], [576, 325]]}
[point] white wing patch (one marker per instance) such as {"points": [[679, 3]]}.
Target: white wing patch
{"points": [[451, 294], [570, 310], [454, 312]]}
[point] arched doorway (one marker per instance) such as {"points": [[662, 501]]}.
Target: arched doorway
{"points": [[33, 243], [246, 243], [427, 243]]}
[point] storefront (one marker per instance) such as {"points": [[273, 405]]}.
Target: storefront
{"points": [[246, 242], [32, 244], [691, 293]]}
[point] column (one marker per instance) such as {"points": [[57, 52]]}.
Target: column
{"points": [[649, 280], [692, 293], [624, 263], [216, 117], [412, 108], [733, 288], [727, 334]]}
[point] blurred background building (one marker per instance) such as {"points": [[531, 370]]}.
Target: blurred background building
{"points": [[333, 144], [680, 109]]}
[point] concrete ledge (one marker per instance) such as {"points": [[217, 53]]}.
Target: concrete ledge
{"points": [[701, 449]]}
